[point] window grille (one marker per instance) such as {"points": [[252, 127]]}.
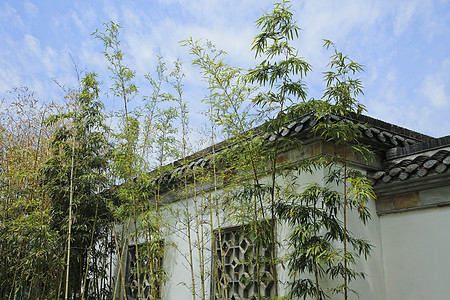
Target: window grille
{"points": [[150, 269], [235, 265]]}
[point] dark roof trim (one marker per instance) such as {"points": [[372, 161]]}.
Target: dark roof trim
{"points": [[427, 145], [379, 134], [374, 131], [418, 167], [402, 131], [413, 184]]}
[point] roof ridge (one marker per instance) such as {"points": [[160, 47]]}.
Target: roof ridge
{"points": [[426, 145], [392, 127]]}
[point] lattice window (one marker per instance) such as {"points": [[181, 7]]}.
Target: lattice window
{"points": [[235, 266], [150, 269]]}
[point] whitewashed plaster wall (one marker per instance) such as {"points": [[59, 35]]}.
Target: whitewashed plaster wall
{"points": [[416, 252], [176, 263], [177, 260], [372, 286]]}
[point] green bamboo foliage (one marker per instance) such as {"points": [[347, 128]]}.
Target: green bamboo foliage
{"points": [[61, 214], [215, 220], [321, 243], [122, 76], [126, 158], [193, 232], [241, 162], [148, 140], [316, 218], [281, 72], [169, 143], [76, 172], [31, 257]]}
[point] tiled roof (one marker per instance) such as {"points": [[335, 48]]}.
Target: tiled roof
{"points": [[378, 133], [419, 166], [375, 134], [178, 172]]}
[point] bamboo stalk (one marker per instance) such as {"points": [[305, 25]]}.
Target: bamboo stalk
{"points": [[219, 233], [191, 259], [199, 243], [124, 239], [66, 294], [89, 252], [345, 229], [316, 273]]}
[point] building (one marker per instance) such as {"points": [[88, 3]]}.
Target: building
{"points": [[409, 228]]}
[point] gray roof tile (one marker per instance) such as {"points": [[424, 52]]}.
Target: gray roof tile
{"points": [[420, 166], [382, 136]]}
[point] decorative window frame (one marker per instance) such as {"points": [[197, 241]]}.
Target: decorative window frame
{"points": [[131, 282], [238, 279]]}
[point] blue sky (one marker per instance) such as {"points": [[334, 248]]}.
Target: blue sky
{"points": [[403, 44]]}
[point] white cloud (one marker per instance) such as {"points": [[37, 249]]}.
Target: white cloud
{"points": [[90, 55], [141, 52], [49, 58], [110, 11], [391, 76], [10, 16], [31, 9], [32, 43], [87, 13], [435, 85], [338, 22], [132, 18], [404, 16], [434, 89], [392, 38], [9, 76], [78, 21]]}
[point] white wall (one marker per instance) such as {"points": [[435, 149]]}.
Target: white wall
{"points": [[373, 286], [178, 271], [176, 260], [410, 259], [416, 251]]}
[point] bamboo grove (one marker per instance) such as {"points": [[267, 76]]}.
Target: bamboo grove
{"points": [[78, 195]]}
